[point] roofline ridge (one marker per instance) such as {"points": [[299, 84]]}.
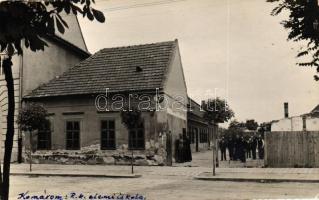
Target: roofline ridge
{"points": [[138, 45]]}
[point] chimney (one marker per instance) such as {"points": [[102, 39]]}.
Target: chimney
{"points": [[286, 109]]}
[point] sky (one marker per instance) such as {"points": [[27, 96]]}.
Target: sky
{"points": [[230, 48]]}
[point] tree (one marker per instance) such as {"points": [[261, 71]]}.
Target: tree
{"points": [[234, 124], [236, 128], [303, 25], [251, 125], [216, 111], [32, 118], [131, 118], [27, 23]]}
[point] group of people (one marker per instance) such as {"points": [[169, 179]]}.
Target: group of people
{"points": [[241, 147], [183, 152]]}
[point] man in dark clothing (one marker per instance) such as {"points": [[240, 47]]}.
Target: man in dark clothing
{"points": [[187, 149], [230, 146], [242, 149], [222, 146], [260, 143], [237, 148], [254, 147], [179, 149], [248, 146]]}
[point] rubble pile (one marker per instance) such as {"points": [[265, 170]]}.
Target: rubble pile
{"points": [[153, 155]]}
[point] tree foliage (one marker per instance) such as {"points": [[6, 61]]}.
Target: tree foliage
{"points": [[234, 124], [302, 25], [217, 110], [265, 127], [235, 128], [251, 125], [29, 22], [32, 117], [131, 118]]}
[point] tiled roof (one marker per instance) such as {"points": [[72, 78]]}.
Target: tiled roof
{"points": [[131, 68]]}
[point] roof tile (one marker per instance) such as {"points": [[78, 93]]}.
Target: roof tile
{"points": [[113, 68]]}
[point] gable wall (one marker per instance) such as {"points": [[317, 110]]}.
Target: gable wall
{"points": [[35, 68], [175, 93]]}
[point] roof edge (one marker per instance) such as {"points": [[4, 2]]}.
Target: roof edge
{"points": [[137, 45], [69, 45], [151, 91]]}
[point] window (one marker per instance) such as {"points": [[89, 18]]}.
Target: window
{"points": [[136, 138], [44, 137], [72, 135], [203, 135], [108, 134]]}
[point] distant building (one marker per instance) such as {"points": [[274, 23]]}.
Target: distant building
{"points": [[35, 68], [151, 72], [305, 122], [199, 131], [293, 141]]}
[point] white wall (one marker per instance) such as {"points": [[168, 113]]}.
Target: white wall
{"points": [[296, 124]]}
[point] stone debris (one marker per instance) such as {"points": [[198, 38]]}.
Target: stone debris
{"points": [[153, 155]]}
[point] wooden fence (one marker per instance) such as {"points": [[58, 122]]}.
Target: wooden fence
{"points": [[292, 149]]}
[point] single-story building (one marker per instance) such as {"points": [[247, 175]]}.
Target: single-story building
{"points": [[84, 105], [200, 132], [305, 122]]}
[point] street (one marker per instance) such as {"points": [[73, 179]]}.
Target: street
{"points": [[156, 187], [157, 183]]}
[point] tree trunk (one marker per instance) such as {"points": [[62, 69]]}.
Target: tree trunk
{"points": [[30, 158], [20, 149], [7, 68]]}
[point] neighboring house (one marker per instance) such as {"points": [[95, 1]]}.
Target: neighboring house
{"points": [[33, 69], [305, 122], [200, 132], [293, 141], [85, 118]]}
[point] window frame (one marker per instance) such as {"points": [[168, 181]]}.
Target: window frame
{"points": [[137, 139], [107, 133], [66, 134], [48, 140]]}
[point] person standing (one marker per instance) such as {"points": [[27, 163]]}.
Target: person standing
{"points": [[222, 147], [237, 147], [187, 149], [248, 143], [254, 147], [179, 149], [230, 146], [242, 149], [260, 144]]}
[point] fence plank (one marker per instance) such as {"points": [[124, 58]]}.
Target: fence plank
{"points": [[292, 149]]}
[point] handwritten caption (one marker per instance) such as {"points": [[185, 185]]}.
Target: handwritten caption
{"points": [[79, 195]]}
